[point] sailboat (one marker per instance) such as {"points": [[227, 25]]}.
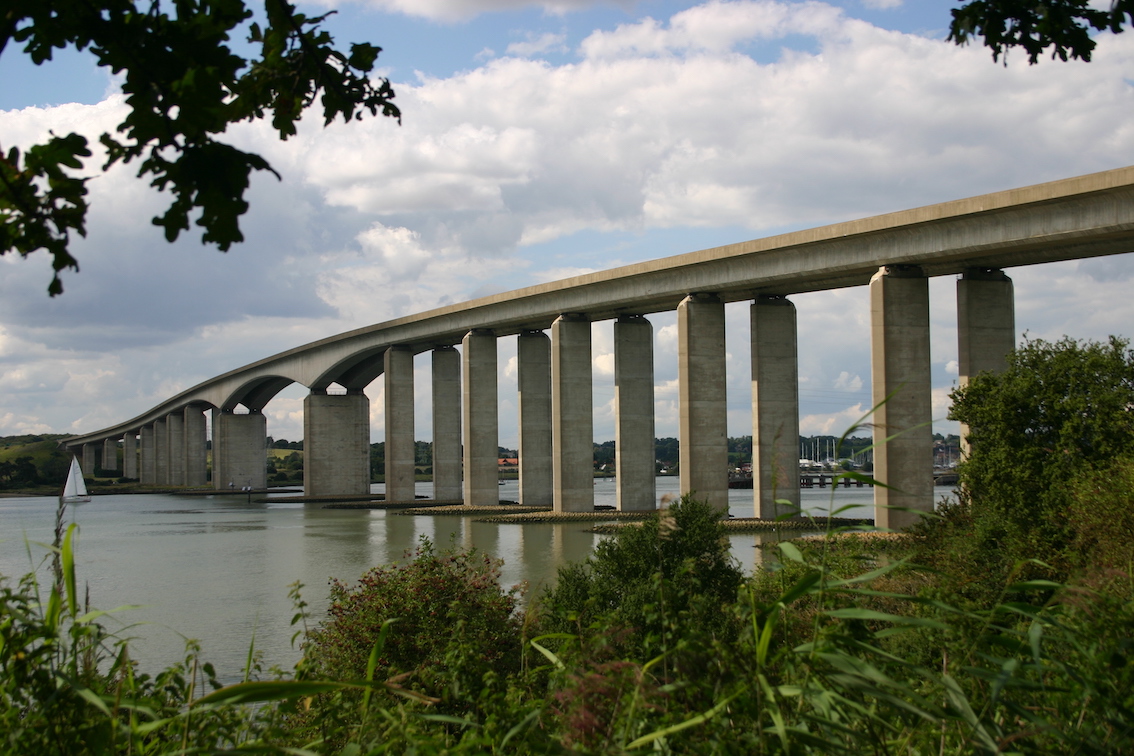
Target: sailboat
{"points": [[75, 490]]}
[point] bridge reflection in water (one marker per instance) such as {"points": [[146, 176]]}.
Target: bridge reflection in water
{"points": [[218, 568], [893, 254]]}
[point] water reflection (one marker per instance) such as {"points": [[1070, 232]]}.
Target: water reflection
{"points": [[399, 538], [537, 553], [218, 568]]}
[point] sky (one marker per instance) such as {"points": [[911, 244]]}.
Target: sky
{"points": [[541, 140]]}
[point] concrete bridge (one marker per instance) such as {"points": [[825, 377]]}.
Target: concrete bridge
{"points": [[894, 254]]}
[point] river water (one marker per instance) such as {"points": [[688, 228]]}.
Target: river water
{"points": [[217, 568]]}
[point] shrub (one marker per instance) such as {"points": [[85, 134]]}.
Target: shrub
{"points": [[1101, 516], [452, 630], [675, 568]]}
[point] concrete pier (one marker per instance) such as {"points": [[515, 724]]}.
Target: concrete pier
{"points": [[572, 423], [901, 384], [775, 407], [130, 454], [480, 421], [110, 454], [196, 446], [986, 327], [149, 456], [161, 452], [89, 457], [533, 361], [336, 443], [175, 427], [398, 375], [446, 424], [703, 458], [634, 413], [240, 455]]}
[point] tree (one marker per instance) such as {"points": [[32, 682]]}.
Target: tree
{"points": [[1059, 411], [184, 85], [1036, 25]]}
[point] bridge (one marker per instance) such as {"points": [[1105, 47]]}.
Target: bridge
{"points": [[894, 254]]}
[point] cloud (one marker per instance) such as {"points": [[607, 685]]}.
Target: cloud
{"points": [[462, 10], [15, 425], [728, 118], [663, 125], [534, 45], [832, 424], [715, 27], [391, 274]]}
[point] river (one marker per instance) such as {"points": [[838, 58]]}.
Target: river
{"points": [[217, 568]]}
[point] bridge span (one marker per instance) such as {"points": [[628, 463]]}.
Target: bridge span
{"points": [[895, 254]]}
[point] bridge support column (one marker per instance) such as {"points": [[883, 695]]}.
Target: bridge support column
{"points": [[775, 407], [446, 424], [703, 408], [400, 447], [130, 455], [900, 369], [149, 456], [196, 446], [161, 453], [634, 413], [175, 427], [240, 456], [572, 421], [89, 457], [986, 327], [480, 419], [336, 443], [533, 360], [110, 454]]}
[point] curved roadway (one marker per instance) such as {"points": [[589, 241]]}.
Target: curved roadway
{"points": [[1087, 216]]}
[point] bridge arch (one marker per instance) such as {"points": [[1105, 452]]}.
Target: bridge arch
{"points": [[256, 393], [354, 372]]}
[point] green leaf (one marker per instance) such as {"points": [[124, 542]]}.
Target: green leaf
{"points": [[691, 722], [858, 613], [791, 551], [519, 727], [549, 654], [1036, 585], [801, 587], [446, 719], [68, 556]]}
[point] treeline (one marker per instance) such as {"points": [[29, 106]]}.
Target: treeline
{"points": [[666, 453], [6, 441], [30, 461]]}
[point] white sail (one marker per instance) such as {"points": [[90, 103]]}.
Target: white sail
{"points": [[75, 489]]}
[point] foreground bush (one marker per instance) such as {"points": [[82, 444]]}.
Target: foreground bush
{"points": [[1059, 411], [673, 569], [436, 626]]}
